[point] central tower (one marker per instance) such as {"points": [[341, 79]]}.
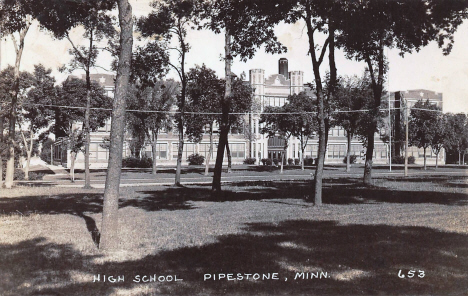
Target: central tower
{"points": [[283, 67]]}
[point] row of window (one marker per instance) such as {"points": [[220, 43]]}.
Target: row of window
{"points": [[339, 151], [237, 150]]}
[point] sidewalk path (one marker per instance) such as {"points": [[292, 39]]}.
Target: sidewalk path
{"points": [[144, 178]]}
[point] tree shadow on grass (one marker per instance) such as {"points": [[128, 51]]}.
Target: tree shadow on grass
{"points": [[358, 260], [335, 191]]}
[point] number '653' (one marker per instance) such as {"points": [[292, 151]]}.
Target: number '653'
{"points": [[411, 274]]}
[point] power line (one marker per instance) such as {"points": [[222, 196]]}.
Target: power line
{"points": [[216, 113]]}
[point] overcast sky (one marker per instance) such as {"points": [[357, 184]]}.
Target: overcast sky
{"points": [[427, 69]]}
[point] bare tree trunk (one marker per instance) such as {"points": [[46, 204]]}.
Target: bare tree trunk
{"points": [[154, 135], [228, 152], [348, 153], [72, 166], [87, 184], [87, 114], [109, 231], [282, 158], [437, 160], [424, 158], [28, 148], [377, 87], [224, 124], [302, 157], [180, 151], [26, 168], [319, 93], [10, 170], [207, 162], [369, 155]]}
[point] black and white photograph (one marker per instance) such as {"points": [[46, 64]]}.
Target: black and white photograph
{"points": [[233, 147]]}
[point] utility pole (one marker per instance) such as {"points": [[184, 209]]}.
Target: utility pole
{"points": [[406, 135]]}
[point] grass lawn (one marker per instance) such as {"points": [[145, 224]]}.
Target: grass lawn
{"points": [[358, 241]]}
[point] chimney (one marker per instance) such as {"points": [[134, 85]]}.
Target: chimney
{"points": [[283, 67]]}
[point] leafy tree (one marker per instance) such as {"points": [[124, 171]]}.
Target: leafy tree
{"points": [[93, 17], [173, 18], [352, 99], [162, 101], [15, 20], [204, 91], [149, 63], [159, 100], [367, 27], [36, 113], [304, 124], [456, 137], [319, 16], [46, 148], [109, 230], [73, 92], [7, 79], [422, 125], [247, 25], [240, 103], [75, 144], [440, 131]]}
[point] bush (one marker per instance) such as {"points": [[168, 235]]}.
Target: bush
{"points": [[290, 161], [250, 160], [267, 161], [35, 176], [401, 159], [19, 175], [45, 152], [308, 161], [352, 159], [276, 161], [297, 161], [135, 162], [398, 159], [196, 159]]}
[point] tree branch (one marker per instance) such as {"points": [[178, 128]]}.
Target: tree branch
{"points": [[324, 49], [74, 47]]}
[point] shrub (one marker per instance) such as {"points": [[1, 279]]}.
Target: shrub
{"points": [[19, 175], [267, 161], [308, 161], [35, 176], [401, 159], [45, 152], [398, 159], [196, 159], [276, 161], [290, 161], [250, 160], [135, 162], [352, 159], [297, 161]]}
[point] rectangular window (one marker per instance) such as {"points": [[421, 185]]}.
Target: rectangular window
{"points": [[175, 147], [336, 150], [161, 151], [189, 149], [102, 153], [311, 151]]}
